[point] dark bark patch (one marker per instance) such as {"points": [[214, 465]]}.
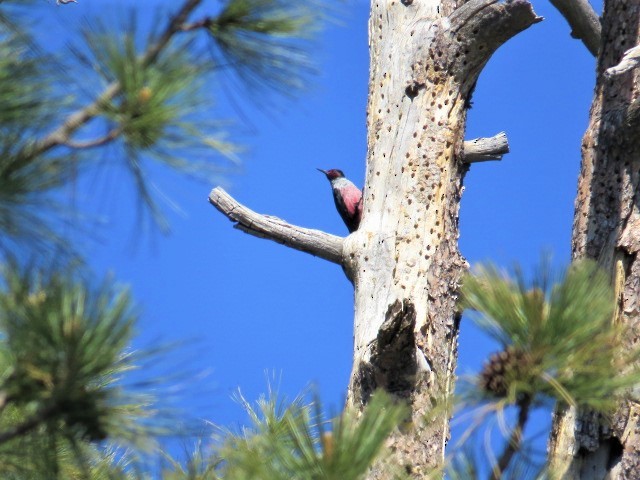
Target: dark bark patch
{"points": [[393, 365], [615, 452], [364, 383], [394, 354], [412, 90]]}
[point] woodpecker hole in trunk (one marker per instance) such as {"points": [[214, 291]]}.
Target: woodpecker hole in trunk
{"points": [[412, 90]]}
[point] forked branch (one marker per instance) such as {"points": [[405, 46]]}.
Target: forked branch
{"points": [[315, 242]]}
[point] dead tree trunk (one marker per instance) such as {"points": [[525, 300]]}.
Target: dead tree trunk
{"points": [[607, 228], [404, 262], [404, 259]]}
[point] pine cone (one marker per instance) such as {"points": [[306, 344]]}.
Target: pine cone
{"points": [[501, 369]]}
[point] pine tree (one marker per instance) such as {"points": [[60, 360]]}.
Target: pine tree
{"points": [[66, 409]]}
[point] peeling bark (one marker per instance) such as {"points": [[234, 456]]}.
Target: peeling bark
{"points": [[607, 228]]}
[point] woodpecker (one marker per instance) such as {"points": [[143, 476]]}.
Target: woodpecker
{"points": [[347, 196]]}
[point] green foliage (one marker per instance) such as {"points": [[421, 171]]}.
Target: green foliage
{"points": [[260, 40], [62, 357], [570, 350], [153, 107], [198, 466], [23, 83], [28, 212], [295, 443], [160, 108], [152, 96]]}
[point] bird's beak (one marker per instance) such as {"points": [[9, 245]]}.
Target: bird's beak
{"points": [[323, 171]]}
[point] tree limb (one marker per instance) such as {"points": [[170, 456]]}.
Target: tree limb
{"points": [[77, 119], [480, 28], [484, 149], [515, 440], [583, 20], [96, 142], [315, 242]]}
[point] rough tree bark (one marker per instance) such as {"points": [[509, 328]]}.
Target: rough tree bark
{"points": [[607, 228], [403, 260]]}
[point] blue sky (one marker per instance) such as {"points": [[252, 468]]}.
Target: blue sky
{"points": [[249, 308]]}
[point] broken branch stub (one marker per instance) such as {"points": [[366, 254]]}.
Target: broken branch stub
{"points": [[485, 149]]}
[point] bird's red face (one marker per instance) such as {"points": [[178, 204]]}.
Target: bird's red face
{"points": [[332, 174]]}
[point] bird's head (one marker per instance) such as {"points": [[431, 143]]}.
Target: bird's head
{"points": [[332, 174]]}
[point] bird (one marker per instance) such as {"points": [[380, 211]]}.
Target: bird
{"points": [[347, 196]]}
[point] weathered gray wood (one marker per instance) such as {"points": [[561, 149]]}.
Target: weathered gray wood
{"points": [[404, 261], [425, 58], [485, 149], [585, 445], [583, 20], [315, 242]]}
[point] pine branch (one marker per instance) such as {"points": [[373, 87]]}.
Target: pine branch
{"points": [[28, 425], [96, 142], [77, 119], [515, 440]]}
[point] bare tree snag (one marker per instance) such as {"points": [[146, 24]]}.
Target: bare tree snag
{"points": [[404, 259], [583, 20], [607, 228]]}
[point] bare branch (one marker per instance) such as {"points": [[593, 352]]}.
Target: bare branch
{"points": [[583, 20], [203, 23], [96, 142], [315, 242], [484, 149], [514, 441], [77, 119]]}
